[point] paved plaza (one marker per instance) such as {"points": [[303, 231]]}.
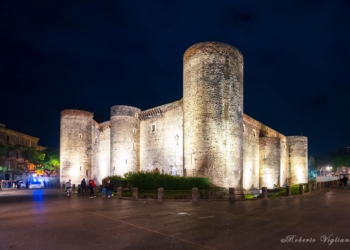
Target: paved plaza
{"points": [[46, 219]]}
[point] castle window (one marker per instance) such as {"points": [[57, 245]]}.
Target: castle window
{"points": [[264, 157], [136, 115], [133, 145], [243, 128], [153, 128], [254, 133], [80, 136], [134, 130], [95, 140], [7, 165]]}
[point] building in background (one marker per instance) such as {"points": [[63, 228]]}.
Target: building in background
{"points": [[11, 161]]}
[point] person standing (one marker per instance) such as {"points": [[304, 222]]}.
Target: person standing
{"points": [[92, 186], [109, 188], [345, 182], [83, 186], [104, 188]]}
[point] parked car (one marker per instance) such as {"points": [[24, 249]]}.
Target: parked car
{"points": [[36, 185], [22, 184]]}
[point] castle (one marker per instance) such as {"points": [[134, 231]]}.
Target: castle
{"points": [[205, 133]]}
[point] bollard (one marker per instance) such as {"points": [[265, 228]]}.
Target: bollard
{"points": [[309, 187], [194, 194], [264, 192], [135, 193], [79, 189], [231, 194], [288, 191], [301, 189], [119, 192], [160, 194]]}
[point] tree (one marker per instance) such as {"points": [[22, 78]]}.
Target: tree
{"points": [[51, 162], [341, 161], [29, 155]]}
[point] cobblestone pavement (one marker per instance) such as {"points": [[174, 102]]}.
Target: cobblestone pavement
{"points": [[46, 219]]}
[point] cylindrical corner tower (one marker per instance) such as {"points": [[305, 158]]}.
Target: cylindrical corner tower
{"points": [[213, 113], [75, 145], [297, 150], [125, 138], [270, 161]]}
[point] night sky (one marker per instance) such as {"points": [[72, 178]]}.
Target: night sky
{"points": [[91, 55]]}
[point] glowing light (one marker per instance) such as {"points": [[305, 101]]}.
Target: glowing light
{"points": [[74, 172]]}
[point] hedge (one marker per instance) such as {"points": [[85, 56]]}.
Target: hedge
{"points": [[153, 181]]}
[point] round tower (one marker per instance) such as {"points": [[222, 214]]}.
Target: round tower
{"points": [[125, 137], [297, 150], [270, 161], [75, 145], [213, 113]]}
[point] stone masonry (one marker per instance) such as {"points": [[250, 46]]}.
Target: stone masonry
{"points": [[204, 134]]}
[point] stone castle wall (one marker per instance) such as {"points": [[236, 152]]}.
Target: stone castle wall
{"points": [[161, 141], [75, 145], [297, 160], [100, 167], [270, 161], [204, 134], [250, 154], [213, 113], [125, 139]]}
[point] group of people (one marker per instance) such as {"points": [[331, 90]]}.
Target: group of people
{"points": [[343, 182], [107, 188]]}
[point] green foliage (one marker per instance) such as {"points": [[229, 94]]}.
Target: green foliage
{"points": [[51, 161], [118, 181], [30, 155], [341, 161], [153, 181]]}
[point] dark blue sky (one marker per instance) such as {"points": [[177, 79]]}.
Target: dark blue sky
{"points": [[91, 55]]}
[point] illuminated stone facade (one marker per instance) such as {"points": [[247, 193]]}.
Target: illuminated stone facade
{"points": [[204, 134]]}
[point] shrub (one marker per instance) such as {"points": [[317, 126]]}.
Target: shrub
{"points": [[118, 181], [153, 181]]}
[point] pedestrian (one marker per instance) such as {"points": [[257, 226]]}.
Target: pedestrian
{"points": [[345, 182], [44, 182], [104, 188], [92, 186], [83, 186], [340, 181], [109, 188]]}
